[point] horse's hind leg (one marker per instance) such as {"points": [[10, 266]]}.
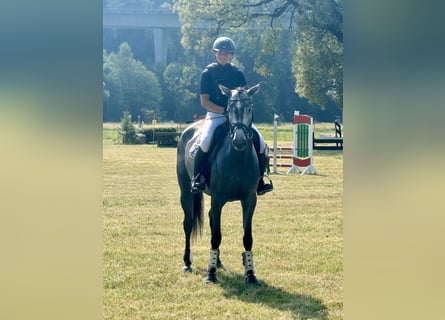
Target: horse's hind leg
{"points": [[248, 210], [187, 206], [192, 204], [187, 224]]}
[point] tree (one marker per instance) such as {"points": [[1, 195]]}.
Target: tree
{"points": [[113, 100], [317, 66], [182, 87], [318, 60], [131, 86], [310, 21], [127, 129]]}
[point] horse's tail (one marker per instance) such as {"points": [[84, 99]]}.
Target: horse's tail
{"points": [[197, 215]]}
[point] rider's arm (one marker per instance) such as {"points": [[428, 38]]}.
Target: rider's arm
{"points": [[209, 105]]}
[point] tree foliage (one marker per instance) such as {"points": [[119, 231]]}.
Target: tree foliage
{"points": [[315, 25], [127, 129], [182, 85], [294, 48], [128, 85], [317, 66]]}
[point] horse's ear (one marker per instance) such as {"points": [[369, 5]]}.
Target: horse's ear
{"points": [[253, 90], [225, 91]]}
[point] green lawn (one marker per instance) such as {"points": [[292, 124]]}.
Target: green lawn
{"points": [[298, 242]]}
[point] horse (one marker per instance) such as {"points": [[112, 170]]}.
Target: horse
{"points": [[232, 175]]}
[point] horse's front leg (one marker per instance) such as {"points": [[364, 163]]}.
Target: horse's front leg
{"points": [[215, 227], [248, 210]]}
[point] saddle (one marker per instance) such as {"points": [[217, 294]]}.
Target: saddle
{"points": [[216, 144], [217, 141]]}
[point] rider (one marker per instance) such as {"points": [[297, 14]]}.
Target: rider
{"points": [[224, 73]]}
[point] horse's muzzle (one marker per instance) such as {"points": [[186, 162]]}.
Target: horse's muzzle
{"points": [[240, 138]]}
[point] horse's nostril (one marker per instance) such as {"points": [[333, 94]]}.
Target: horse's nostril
{"points": [[239, 140]]}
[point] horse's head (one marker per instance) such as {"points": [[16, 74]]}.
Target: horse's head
{"points": [[240, 114]]}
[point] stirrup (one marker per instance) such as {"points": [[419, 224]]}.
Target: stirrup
{"points": [[196, 185], [263, 188]]}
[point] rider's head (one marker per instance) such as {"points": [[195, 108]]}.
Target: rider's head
{"points": [[224, 44], [224, 48]]}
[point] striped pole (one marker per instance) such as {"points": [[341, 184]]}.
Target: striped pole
{"points": [[275, 156]]}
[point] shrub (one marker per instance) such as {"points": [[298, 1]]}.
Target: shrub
{"points": [[127, 129]]}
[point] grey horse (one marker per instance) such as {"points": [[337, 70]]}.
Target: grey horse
{"points": [[232, 174]]}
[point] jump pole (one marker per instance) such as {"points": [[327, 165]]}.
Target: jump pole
{"points": [[275, 150], [275, 125], [303, 144]]}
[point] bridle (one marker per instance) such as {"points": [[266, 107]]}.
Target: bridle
{"points": [[238, 125]]}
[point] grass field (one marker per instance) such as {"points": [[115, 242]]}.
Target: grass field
{"points": [[297, 230]]}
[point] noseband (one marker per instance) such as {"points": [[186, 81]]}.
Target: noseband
{"points": [[247, 130]]}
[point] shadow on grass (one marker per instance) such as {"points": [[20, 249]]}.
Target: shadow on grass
{"points": [[302, 306]]}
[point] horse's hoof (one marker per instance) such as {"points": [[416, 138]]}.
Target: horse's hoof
{"points": [[211, 277], [187, 268], [252, 280]]}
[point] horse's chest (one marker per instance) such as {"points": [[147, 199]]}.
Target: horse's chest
{"points": [[237, 174]]}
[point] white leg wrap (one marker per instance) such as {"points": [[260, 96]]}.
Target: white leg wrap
{"points": [[248, 261], [213, 259]]}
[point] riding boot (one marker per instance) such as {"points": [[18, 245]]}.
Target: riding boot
{"points": [[197, 185], [263, 187]]}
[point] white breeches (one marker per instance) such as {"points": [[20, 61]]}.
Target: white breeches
{"points": [[211, 122]]}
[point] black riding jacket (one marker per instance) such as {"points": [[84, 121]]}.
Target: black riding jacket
{"points": [[227, 75]]}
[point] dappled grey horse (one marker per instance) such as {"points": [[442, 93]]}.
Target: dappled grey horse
{"points": [[232, 174]]}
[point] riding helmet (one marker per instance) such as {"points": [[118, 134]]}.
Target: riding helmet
{"points": [[224, 44]]}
